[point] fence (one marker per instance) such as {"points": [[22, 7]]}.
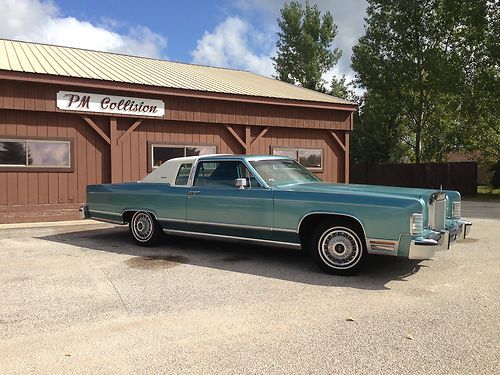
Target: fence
{"points": [[461, 176]]}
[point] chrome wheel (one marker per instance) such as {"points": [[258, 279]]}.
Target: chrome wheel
{"points": [[142, 226], [340, 248]]}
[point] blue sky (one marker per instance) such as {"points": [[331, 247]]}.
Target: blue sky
{"points": [[182, 23], [231, 33]]}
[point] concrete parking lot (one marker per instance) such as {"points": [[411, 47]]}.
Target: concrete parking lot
{"points": [[81, 298]]}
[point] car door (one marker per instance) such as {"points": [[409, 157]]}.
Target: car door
{"points": [[216, 206]]}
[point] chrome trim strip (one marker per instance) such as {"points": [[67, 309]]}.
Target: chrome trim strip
{"points": [[107, 220], [139, 209], [171, 220], [103, 219], [105, 212], [271, 242], [269, 229], [368, 247], [285, 230], [330, 213], [229, 225]]}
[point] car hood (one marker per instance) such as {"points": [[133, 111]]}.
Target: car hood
{"points": [[373, 190]]}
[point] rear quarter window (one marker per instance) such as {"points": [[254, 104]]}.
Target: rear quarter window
{"points": [[183, 174]]}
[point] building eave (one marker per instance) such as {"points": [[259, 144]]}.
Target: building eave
{"points": [[156, 90]]}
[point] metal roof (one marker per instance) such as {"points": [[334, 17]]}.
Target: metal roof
{"points": [[105, 66]]}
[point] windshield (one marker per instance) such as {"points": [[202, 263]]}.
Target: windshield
{"points": [[283, 172]]}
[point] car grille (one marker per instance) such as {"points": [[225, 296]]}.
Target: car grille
{"points": [[437, 214]]}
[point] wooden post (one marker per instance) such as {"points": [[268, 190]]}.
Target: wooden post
{"points": [[345, 147], [248, 139], [346, 157], [115, 154]]}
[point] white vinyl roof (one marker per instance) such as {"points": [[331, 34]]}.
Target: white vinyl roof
{"points": [[167, 172]]}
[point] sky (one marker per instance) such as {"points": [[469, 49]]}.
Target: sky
{"points": [[237, 34]]}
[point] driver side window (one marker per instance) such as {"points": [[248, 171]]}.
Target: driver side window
{"points": [[223, 174]]}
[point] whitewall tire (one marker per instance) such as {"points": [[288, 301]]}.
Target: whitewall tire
{"points": [[337, 249], [144, 229]]}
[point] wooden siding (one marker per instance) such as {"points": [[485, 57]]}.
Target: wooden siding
{"points": [[91, 160], [29, 110], [38, 97]]}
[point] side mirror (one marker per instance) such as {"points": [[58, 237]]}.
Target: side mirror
{"points": [[241, 183]]}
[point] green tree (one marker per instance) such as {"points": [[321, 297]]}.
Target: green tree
{"points": [[304, 45], [478, 105], [376, 135], [343, 89], [425, 63]]}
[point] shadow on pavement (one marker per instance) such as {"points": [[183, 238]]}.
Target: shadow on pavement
{"points": [[270, 262]]}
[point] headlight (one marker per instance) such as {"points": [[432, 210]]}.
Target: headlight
{"points": [[456, 210], [416, 223]]}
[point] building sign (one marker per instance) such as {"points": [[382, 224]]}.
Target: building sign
{"points": [[121, 105]]}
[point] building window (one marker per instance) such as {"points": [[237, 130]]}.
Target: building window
{"points": [[311, 158], [30, 153], [161, 153]]}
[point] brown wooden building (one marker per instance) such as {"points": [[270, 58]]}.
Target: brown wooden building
{"points": [[72, 117]]}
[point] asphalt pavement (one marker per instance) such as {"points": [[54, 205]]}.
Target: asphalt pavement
{"points": [[81, 298]]}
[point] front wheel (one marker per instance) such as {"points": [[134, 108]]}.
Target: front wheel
{"points": [[144, 229], [337, 249]]}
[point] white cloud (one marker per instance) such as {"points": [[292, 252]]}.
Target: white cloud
{"points": [[233, 44], [40, 21]]}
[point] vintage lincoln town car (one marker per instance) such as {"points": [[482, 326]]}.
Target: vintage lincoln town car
{"points": [[274, 200]]}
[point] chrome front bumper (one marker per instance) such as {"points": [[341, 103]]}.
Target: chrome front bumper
{"points": [[460, 231], [426, 248]]}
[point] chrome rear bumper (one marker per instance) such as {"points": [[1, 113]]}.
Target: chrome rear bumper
{"points": [[84, 212]]}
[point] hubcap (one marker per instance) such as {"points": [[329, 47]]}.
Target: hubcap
{"points": [[339, 247], [142, 226]]}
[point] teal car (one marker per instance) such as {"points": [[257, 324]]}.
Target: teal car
{"points": [[276, 201]]}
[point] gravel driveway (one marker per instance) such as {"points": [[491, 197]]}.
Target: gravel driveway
{"points": [[81, 298]]}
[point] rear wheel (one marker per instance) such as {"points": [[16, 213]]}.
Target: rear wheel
{"points": [[144, 229], [337, 249]]}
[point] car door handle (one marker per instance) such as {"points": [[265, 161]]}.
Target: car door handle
{"points": [[193, 192]]}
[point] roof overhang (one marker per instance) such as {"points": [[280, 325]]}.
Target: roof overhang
{"points": [[155, 90]]}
